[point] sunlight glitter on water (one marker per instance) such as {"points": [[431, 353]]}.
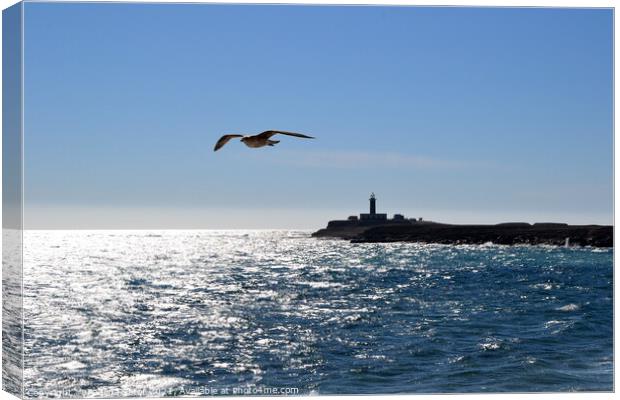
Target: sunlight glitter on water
{"points": [[151, 311]]}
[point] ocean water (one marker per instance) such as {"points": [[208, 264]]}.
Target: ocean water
{"points": [[150, 313]]}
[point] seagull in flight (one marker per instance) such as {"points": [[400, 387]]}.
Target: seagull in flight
{"points": [[260, 140]]}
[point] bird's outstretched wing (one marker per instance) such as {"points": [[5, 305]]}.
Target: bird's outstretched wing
{"points": [[223, 140], [268, 134]]}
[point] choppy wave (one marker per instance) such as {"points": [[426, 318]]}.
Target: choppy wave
{"points": [[143, 313]]}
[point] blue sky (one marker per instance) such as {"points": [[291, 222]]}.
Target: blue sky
{"points": [[452, 114]]}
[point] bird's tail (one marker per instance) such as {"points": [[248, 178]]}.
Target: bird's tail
{"points": [[272, 142]]}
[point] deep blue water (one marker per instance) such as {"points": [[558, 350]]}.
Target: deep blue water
{"points": [[137, 313]]}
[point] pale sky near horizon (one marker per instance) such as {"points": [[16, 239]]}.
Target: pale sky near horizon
{"points": [[464, 115]]}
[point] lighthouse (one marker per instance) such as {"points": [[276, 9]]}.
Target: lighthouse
{"points": [[372, 215], [373, 204]]}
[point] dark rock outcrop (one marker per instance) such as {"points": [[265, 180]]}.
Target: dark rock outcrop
{"points": [[509, 233]]}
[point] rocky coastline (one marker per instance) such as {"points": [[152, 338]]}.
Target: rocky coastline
{"points": [[506, 233]]}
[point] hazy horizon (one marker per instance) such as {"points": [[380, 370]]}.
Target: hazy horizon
{"points": [[457, 114], [134, 219]]}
